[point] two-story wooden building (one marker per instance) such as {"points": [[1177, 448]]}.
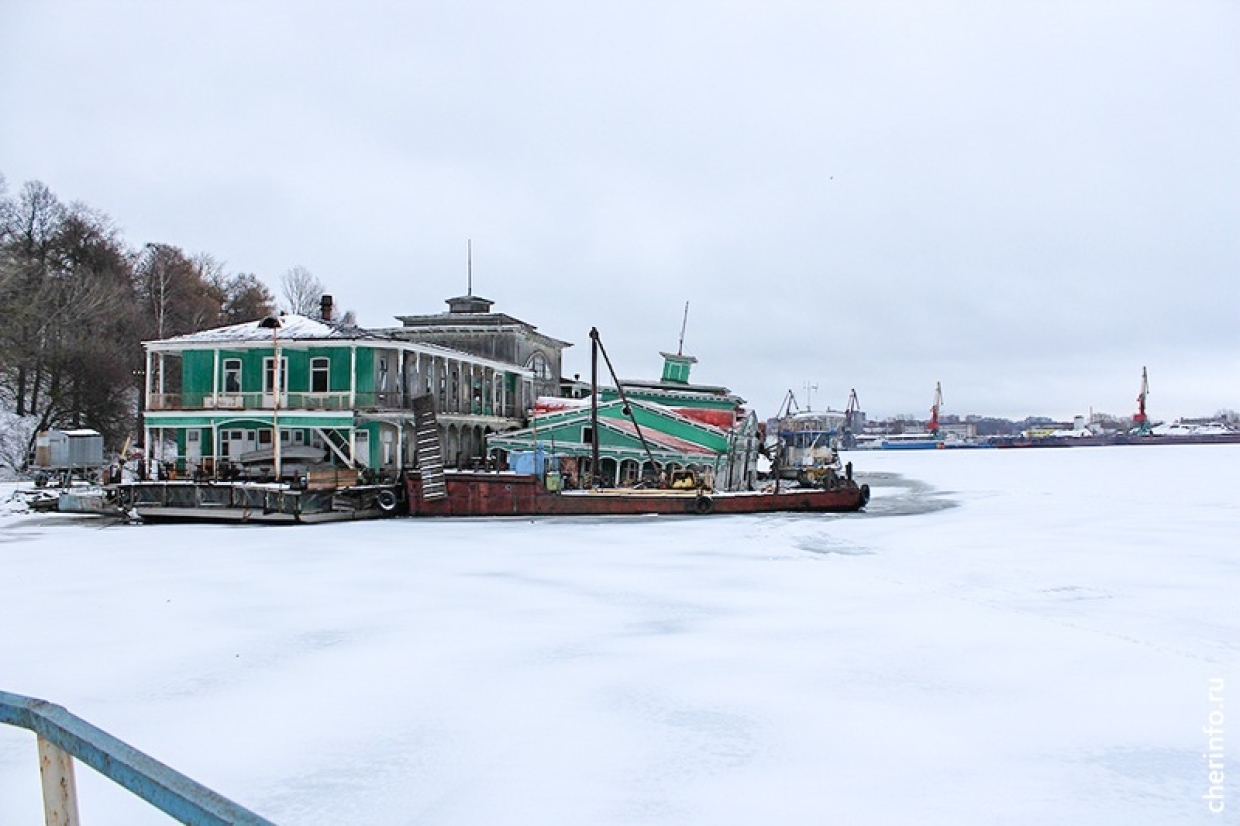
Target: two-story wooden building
{"points": [[344, 393]]}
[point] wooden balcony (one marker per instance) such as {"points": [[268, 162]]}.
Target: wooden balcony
{"points": [[391, 400]]}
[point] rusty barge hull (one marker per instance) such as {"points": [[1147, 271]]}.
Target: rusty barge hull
{"points": [[508, 494]]}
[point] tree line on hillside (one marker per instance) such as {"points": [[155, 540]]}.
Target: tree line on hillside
{"points": [[77, 301]]}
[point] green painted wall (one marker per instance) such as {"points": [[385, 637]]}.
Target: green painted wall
{"points": [[366, 370], [198, 369], [338, 372]]}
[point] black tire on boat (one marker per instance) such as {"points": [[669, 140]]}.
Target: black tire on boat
{"points": [[386, 500], [865, 494], [703, 505]]}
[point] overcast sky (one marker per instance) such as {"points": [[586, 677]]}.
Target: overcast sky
{"points": [[1028, 202]]}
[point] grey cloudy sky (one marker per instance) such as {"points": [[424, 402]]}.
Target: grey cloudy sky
{"points": [[1025, 201]]}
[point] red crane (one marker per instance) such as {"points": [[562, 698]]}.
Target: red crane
{"points": [[934, 409], [1141, 420]]}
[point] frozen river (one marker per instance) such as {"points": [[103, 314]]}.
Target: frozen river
{"points": [[1006, 637]]}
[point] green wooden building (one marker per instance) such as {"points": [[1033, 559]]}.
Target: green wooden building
{"points": [[344, 393]]}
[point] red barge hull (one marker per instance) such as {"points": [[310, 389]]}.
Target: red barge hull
{"points": [[509, 494]]}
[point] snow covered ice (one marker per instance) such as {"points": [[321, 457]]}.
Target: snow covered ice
{"points": [[1007, 636]]}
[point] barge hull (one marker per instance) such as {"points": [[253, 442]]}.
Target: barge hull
{"points": [[504, 494]]}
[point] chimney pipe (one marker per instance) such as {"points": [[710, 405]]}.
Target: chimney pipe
{"points": [[325, 308]]}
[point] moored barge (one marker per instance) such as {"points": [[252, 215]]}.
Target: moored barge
{"points": [[511, 494]]}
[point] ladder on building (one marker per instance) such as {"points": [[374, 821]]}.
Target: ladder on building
{"points": [[430, 451]]}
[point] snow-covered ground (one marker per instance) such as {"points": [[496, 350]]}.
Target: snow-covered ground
{"points": [[1007, 637]]}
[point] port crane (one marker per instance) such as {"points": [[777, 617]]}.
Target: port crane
{"points": [[1141, 421], [848, 439], [933, 427]]}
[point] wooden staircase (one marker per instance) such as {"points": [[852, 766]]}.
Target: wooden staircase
{"points": [[430, 451]]}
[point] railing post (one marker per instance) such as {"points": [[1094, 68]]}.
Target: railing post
{"points": [[59, 787]]}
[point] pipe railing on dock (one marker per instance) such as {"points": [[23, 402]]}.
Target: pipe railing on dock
{"points": [[63, 736]]}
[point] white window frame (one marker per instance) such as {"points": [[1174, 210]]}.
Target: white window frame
{"points": [[321, 365], [269, 364], [230, 370]]}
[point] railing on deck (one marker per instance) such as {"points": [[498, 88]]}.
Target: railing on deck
{"points": [[255, 401], [63, 736], [383, 400]]}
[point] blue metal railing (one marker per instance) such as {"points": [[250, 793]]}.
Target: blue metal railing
{"points": [[63, 736]]}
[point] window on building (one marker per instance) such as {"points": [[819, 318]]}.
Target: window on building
{"points": [[587, 435], [269, 365], [383, 374], [630, 472], [320, 375], [232, 375], [538, 366]]}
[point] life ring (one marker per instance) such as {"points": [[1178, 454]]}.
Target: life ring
{"points": [[703, 505], [386, 500]]}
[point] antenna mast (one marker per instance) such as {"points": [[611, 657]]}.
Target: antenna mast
{"points": [[680, 348], [469, 266]]}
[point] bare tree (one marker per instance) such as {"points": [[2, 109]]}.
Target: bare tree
{"points": [[301, 292], [31, 225], [66, 285], [245, 299]]}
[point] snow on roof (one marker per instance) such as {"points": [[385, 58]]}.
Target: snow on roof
{"points": [[292, 328]]}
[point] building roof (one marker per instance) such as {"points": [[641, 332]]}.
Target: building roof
{"points": [[292, 328], [655, 437], [297, 328], [468, 313], [671, 389]]}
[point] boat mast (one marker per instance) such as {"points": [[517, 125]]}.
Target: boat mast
{"points": [[680, 348], [274, 323], [626, 408], [594, 476]]}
